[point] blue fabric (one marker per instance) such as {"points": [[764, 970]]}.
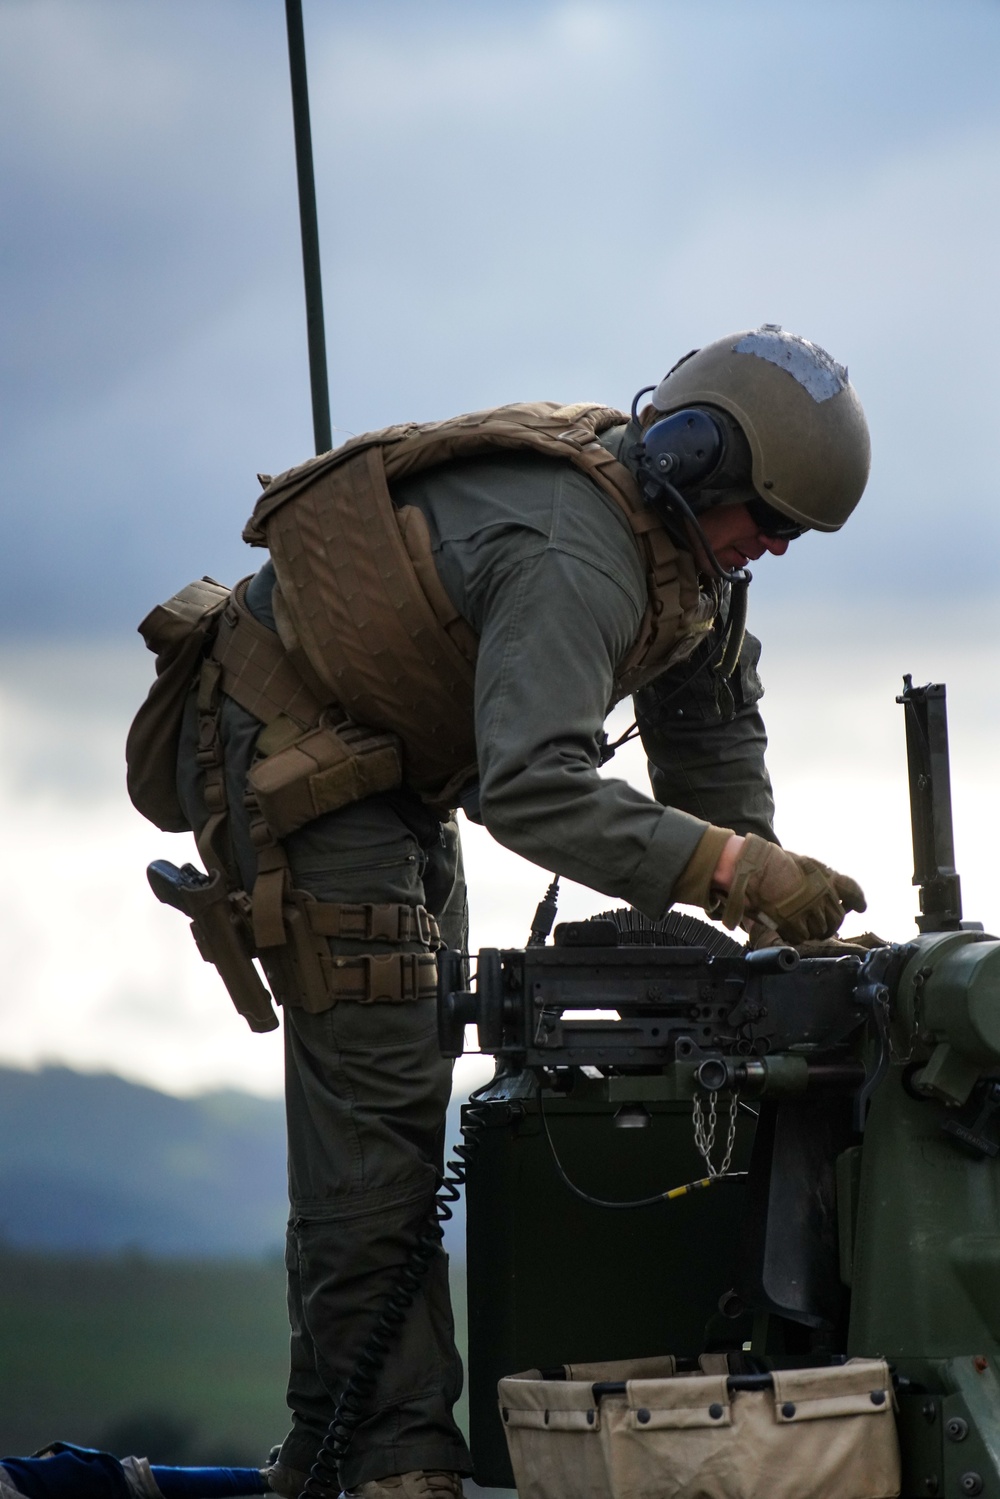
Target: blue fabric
{"points": [[208, 1483], [70, 1473], [84, 1473]]}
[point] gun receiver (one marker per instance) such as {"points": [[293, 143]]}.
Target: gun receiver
{"points": [[930, 807], [205, 901]]}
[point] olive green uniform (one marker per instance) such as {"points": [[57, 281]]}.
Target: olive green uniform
{"points": [[544, 568]]}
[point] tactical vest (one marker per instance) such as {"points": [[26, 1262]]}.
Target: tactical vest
{"points": [[362, 612], [367, 684]]}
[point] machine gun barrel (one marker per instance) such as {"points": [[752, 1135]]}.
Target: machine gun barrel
{"points": [[930, 807]]}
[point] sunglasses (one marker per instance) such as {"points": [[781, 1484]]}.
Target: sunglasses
{"points": [[771, 522]]}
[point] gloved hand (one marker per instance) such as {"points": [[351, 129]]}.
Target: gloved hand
{"points": [[799, 897], [762, 935], [841, 947]]}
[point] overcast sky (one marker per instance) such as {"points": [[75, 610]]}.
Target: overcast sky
{"points": [[517, 201]]}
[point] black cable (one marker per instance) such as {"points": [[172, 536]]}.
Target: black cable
{"points": [[642, 1202], [734, 575], [736, 629], [545, 915], [324, 1477], [607, 748], [635, 402], [713, 661]]}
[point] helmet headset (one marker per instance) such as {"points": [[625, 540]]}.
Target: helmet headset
{"points": [[761, 412], [687, 450]]}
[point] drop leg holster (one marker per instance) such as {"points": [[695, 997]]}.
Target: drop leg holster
{"points": [[310, 760]]}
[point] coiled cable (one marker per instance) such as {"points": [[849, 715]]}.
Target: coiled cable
{"points": [[324, 1476]]}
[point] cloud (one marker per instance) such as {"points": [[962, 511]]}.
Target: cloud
{"points": [[516, 200], [128, 157], [96, 975]]}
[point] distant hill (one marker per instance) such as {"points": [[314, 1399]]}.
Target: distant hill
{"points": [[98, 1164], [94, 1164]]}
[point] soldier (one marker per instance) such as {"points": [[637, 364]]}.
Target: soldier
{"points": [[447, 615]]}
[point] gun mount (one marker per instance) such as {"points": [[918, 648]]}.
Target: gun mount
{"points": [[861, 1212]]}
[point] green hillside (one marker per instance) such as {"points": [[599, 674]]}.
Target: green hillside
{"points": [[127, 1353], [179, 1362]]}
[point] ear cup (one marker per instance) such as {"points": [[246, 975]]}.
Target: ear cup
{"points": [[684, 448]]}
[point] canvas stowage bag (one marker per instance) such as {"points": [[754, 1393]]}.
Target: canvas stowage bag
{"points": [[819, 1433], [553, 1427]]}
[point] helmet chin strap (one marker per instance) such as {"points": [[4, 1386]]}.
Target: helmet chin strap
{"points": [[736, 576], [689, 445], [675, 513]]}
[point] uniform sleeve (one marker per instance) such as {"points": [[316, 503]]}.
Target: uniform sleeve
{"points": [[705, 740], [552, 629]]}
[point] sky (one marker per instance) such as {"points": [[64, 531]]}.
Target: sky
{"points": [[517, 201]]}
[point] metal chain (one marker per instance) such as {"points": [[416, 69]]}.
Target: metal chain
{"points": [[704, 1139]]}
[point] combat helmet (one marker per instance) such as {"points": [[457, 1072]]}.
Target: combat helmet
{"points": [[799, 412]]}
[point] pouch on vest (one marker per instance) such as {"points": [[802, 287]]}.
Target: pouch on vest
{"points": [[320, 771], [178, 632]]}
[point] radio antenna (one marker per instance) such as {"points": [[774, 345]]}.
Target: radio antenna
{"points": [[318, 382]]}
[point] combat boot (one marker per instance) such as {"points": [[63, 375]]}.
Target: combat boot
{"points": [[423, 1484], [288, 1483]]}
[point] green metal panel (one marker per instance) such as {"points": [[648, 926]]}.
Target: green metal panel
{"points": [[949, 1430], [920, 1425], [926, 1262], [552, 1280]]}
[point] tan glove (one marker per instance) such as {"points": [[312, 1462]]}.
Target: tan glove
{"points": [[841, 947], [829, 947], [797, 896]]}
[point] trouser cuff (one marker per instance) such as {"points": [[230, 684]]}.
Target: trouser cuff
{"points": [[298, 1451], [430, 1456]]}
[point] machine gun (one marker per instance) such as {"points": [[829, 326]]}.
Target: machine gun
{"points": [[858, 1209]]}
